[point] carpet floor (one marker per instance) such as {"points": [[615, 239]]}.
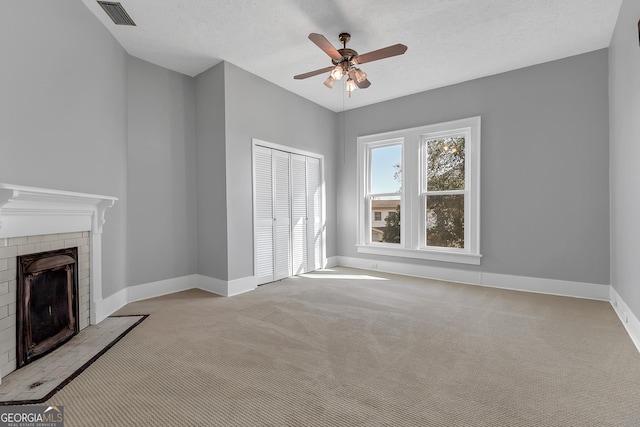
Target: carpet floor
{"points": [[345, 347]]}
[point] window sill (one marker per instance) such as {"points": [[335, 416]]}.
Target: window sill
{"points": [[433, 255]]}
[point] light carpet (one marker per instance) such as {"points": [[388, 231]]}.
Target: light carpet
{"points": [[354, 348]]}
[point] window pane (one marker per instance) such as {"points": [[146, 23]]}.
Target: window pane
{"points": [[445, 164], [386, 169], [388, 228], [445, 221]]}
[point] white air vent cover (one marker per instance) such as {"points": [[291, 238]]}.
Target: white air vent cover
{"points": [[117, 13]]}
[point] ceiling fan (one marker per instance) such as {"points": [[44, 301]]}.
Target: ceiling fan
{"points": [[345, 60]]}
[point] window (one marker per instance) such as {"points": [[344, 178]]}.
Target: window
{"points": [[425, 183]]}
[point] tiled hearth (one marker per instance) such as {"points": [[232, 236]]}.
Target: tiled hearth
{"points": [[38, 380]]}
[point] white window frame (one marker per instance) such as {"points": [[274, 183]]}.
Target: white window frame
{"points": [[413, 229]]}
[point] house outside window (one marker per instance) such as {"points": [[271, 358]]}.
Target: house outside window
{"points": [[382, 209], [419, 192]]}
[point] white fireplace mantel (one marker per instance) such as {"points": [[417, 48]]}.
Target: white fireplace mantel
{"points": [[31, 211]]}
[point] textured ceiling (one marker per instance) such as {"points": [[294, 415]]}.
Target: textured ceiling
{"points": [[449, 40]]}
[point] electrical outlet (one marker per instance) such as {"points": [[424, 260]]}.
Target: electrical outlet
{"points": [[626, 317], [374, 265], [615, 303]]}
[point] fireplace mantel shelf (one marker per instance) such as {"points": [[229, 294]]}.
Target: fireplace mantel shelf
{"points": [[26, 211]]}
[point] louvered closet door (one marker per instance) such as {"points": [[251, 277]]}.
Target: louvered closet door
{"points": [[314, 210], [282, 215], [299, 214], [263, 182]]}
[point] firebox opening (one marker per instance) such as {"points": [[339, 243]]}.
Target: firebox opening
{"points": [[47, 306]]}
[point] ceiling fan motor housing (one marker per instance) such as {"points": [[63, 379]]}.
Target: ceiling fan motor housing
{"points": [[348, 55]]}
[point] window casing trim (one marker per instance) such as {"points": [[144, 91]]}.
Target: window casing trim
{"points": [[413, 194]]}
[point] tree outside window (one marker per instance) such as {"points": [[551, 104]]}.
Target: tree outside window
{"points": [[445, 192]]}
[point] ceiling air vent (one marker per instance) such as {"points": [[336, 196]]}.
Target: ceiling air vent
{"points": [[117, 13]]}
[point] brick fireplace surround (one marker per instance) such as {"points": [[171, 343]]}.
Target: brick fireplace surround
{"points": [[35, 220]]}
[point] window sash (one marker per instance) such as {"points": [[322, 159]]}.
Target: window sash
{"points": [[370, 219], [424, 155], [423, 220]]}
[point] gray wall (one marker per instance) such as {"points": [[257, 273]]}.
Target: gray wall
{"points": [[624, 119], [79, 114], [256, 108], [63, 111], [544, 166], [161, 178], [211, 175], [232, 107]]}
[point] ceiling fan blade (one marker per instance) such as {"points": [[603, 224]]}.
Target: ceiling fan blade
{"points": [[324, 44], [363, 84], [313, 73], [385, 52]]}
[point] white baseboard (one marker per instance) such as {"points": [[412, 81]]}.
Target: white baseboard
{"points": [[503, 281], [547, 286], [437, 273], [211, 284], [628, 319], [331, 262], [226, 288], [103, 308], [240, 286], [107, 306], [161, 287]]}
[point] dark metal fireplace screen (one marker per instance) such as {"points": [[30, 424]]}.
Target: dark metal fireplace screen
{"points": [[47, 307]]}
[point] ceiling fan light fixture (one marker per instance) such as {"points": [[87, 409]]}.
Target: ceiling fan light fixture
{"points": [[350, 86], [360, 75], [329, 82], [337, 72]]}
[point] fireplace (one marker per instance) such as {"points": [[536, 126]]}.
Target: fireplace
{"points": [[36, 220], [47, 302]]}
